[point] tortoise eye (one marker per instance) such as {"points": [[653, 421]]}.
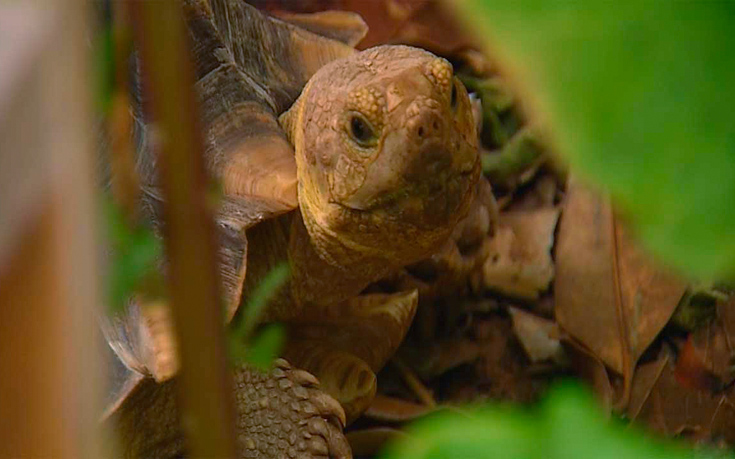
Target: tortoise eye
{"points": [[361, 131]]}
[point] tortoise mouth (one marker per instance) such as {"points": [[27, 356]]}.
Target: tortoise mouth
{"points": [[437, 200]]}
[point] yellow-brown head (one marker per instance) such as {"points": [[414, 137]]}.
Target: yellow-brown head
{"points": [[386, 152]]}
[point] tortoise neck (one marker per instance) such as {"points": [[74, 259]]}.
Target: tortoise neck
{"points": [[325, 269]]}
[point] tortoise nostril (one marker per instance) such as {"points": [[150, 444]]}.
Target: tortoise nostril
{"points": [[426, 120]]}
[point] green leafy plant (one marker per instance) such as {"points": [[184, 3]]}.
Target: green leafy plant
{"points": [[134, 254], [259, 347]]}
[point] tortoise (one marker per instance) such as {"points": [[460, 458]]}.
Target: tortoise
{"points": [[348, 165]]}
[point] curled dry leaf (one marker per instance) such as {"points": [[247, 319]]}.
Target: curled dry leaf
{"points": [[520, 261], [537, 335], [391, 409], [609, 294]]}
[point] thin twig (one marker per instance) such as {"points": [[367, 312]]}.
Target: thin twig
{"points": [[124, 179], [414, 383]]}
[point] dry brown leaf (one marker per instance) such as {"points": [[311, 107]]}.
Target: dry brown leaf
{"points": [[519, 261], [712, 345], [693, 369], [591, 369], [645, 378], [672, 409], [609, 295]]}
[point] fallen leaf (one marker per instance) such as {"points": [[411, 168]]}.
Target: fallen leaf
{"points": [[671, 409], [692, 372], [519, 262], [644, 379], [591, 369], [609, 294]]}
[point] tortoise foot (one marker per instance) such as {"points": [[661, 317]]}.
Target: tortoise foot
{"points": [[344, 376], [285, 414]]}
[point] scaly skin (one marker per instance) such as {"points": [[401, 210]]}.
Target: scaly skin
{"points": [[279, 414]]}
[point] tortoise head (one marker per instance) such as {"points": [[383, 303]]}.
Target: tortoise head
{"points": [[386, 151]]}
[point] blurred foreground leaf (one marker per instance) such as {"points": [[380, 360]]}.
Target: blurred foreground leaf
{"points": [[265, 346], [639, 98], [135, 253], [568, 425], [261, 348]]}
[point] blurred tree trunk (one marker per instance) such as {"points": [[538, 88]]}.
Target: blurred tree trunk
{"points": [[50, 384]]}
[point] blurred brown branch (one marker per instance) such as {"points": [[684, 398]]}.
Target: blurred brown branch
{"points": [[189, 230]]}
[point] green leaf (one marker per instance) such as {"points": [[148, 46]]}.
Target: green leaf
{"points": [[264, 347], [567, 426], [257, 301], [134, 256], [639, 97], [259, 350]]}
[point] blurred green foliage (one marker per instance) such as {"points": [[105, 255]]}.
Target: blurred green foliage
{"points": [[639, 97], [259, 347], [134, 253], [264, 347], [568, 425]]}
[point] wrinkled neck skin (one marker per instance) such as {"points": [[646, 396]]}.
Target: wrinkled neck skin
{"points": [[324, 269]]}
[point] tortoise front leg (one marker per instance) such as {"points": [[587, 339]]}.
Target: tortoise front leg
{"points": [[346, 344], [283, 413]]}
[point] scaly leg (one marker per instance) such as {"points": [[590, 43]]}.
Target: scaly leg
{"points": [[280, 414], [344, 345]]}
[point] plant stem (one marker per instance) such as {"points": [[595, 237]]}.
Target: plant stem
{"points": [[208, 411]]}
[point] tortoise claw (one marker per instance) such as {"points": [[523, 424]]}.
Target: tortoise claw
{"points": [[286, 414]]}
